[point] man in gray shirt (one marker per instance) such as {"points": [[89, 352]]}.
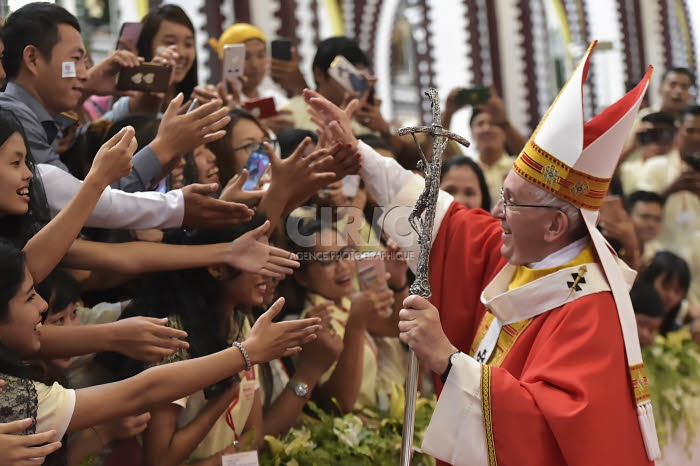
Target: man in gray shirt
{"points": [[45, 64]]}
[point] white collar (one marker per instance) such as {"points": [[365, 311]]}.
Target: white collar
{"points": [[562, 256]]}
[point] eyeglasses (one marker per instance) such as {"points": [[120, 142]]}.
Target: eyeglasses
{"points": [[257, 146], [511, 204], [332, 259]]}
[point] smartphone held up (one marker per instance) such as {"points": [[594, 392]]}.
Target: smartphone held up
{"points": [[281, 49], [473, 96], [129, 36], [348, 76], [147, 77], [371, 274], [256, 165], [233, 64]]}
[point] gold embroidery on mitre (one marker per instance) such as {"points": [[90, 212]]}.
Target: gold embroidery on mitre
{"points": [[486, 411], [581, 189], [541, 168], [551, 175], [640, 383]]}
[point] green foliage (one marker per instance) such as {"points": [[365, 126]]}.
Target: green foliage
{"points": [[673, 369], [368, 437]]}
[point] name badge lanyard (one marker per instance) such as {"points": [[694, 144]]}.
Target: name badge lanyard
{"points": [[229, 421]]}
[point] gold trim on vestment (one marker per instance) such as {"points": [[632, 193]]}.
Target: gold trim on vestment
{"points": [[506, 338], [486, 410], [640, 383]]}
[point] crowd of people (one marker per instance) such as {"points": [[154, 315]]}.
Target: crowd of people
{"points": [[158, 308]]}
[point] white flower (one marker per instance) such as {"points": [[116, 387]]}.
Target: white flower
{"points": [[347, 429], [302, 441]]}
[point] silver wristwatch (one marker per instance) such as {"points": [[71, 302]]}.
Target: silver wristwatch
{"points": [[300, 389]]}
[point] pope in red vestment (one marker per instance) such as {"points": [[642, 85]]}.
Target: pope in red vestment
{"points": [[561, 394], [552, 373]]}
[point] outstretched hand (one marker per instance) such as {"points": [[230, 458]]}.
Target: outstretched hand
{"points": [[336, 121], [20, 450], [300, 175], [268, 340], [204, 211], [113, 160], [233, 191], [287, 73], [180, 133], [146, 338], [250, 254], [102, 77]]}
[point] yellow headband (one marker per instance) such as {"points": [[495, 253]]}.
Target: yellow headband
{"points": [[236, 34]]}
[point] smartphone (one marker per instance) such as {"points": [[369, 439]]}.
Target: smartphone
{"points": [[256, 165], [473, 96], [65, 120], [233, 64], [370, 271], [347, 75], [281, 49], [129, 36], [261, 108], [147, 77]]}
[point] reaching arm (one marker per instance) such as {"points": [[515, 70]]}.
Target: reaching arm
{"points": [[141, 338], [267, 341], [115, 208], [252, 438], [165, 445], [312, 363], [245, 253], [393, 187], [345, 382], [45, 250], [140, 393], [283, 413], [140, 257], [295, 179], [94, 440]]}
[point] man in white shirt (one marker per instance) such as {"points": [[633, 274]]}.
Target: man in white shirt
{"points": [[677, 180]]}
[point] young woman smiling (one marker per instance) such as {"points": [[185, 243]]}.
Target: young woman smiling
{"points": [[212, 305], [61, 410]]}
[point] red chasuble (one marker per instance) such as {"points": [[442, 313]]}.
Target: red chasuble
{"points": [[561, 395]]}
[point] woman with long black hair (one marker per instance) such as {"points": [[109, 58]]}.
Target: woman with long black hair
{"points": [[54, 408]]}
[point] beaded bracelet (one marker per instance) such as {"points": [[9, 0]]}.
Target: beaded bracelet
{"points": [[239, 345]]}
